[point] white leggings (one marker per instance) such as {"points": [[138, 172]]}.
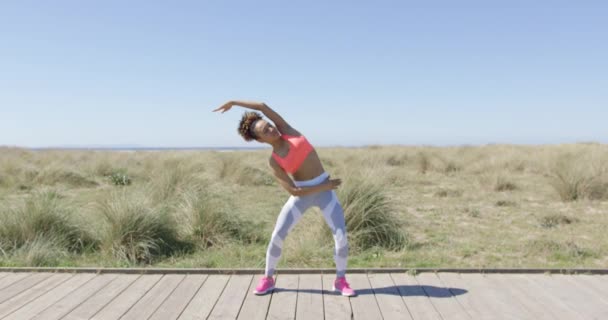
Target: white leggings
{"points": [[291, 213]]}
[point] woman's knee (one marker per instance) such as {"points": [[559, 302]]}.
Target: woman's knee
{"points": [[340, 237], [341, 243], [275, 245]]}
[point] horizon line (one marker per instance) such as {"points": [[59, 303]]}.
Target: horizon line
{"points": [[142, 147]]}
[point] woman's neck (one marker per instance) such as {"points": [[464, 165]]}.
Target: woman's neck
{"points": [[278, 144]]}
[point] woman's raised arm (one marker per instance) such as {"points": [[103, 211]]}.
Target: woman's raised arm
{"points": [[278, 121]]}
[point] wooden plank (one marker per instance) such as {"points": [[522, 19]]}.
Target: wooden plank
{"points": [[255, 307], [146, 306], [389, 300], [519, 292], [506, 296], [495, 298], [578, 298], [71, 301], [335, 305], [441, 297], [230, 301], [19, 286], [179, 299], [309, 304], [602, 279], [32, 293], [12, 278], [466, 296], [364, 305], [50, 297], [589, 293], [284, 297], [416, 299], [4, 274], [201, 305], [595, 282], [126, 299], [544, 296], [101, 298]]}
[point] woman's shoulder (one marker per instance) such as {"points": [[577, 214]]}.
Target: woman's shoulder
{"points": [[296, 139], [291, 132]]}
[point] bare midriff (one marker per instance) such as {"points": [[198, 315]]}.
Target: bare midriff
{"points": [[310, 168]]}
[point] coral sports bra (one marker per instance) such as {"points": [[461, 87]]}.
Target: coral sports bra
{"points": [[299, 149]]}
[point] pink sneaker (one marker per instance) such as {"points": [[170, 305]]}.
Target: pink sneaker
{"points": [[265, 285], [342, 286]]}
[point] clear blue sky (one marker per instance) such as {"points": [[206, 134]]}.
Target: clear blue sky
{"points": [[348, 73]]}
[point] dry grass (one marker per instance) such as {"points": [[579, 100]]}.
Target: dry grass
{"points": [[578, 176], [133, 229], [209, 220], [371, 219], [486, 206], [43, 214], [503, 184]]}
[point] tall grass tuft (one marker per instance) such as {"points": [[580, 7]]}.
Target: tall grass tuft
{"points": [[553, 220], [450, 167], [503, 184], [442, 193], [505, 203], [424, 162], [136, 231], [228, 164], [396, 160], [250, 176], [370, 217], [53, 175], [42, 251], [233, 169], [577, 177], [170, 180], [207, 221], [44, 215]]}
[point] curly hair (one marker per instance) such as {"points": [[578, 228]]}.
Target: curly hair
{"points": [[245, 128]]}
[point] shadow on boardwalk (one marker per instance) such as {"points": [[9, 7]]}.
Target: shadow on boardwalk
{"points": [[429, 291]]}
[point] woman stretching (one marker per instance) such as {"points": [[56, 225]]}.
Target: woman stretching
{"points": [[310, 187]]}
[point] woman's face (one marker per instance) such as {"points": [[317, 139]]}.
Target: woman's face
{"points": [[266, 132]]}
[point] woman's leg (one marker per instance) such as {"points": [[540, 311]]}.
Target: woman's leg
{"points": [[288, 217], [334, 216]]}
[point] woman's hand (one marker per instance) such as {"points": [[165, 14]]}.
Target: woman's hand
{"points": [[225, 107], [334, 183]]}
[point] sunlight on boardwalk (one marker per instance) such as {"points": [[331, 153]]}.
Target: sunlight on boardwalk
{"points": [[443, 295]]}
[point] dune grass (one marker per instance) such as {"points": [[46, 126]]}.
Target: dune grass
{"points": [[210, 221], [133, 229], [43, 215], [581, 176], [418, 206], [370, 217]]}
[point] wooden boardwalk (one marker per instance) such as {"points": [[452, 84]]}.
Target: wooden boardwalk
{"points": [[428, 295]]}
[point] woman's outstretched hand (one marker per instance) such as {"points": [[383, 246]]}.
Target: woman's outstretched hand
{"points": [[225, 107], [334, 183]]}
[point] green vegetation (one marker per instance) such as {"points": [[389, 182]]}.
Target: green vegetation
{"points": [[416, 207]]}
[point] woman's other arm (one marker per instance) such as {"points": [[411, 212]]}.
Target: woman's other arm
{"points": [[286, 182]]}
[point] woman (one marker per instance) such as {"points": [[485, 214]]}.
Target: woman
{"points": [[311, 186]]}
